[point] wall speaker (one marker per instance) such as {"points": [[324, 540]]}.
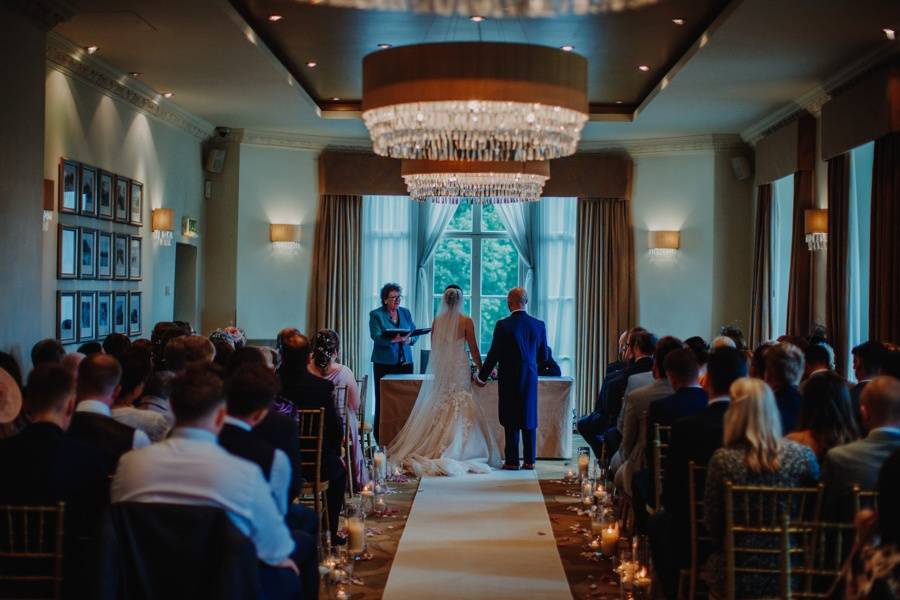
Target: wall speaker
{"points": [[215, 160], [741, 167]]}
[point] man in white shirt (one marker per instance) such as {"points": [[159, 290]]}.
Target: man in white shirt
{"points": [[136, 367], [190, 467]]}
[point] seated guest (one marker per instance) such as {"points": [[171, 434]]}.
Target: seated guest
{"points": [[758, 360], [136, 368], [891, 364], [700, 348], [98, 382], [689, 398], [156, 395], [641, 347], [89, 348], [306, 391], [723, 341], [174, 354], [46, 351], [223, 346], [868, 359], [326, 347], [116, 344], [71, 361], [826, 416], [190, 467], [693, 439], [41, 466], [198, 351], [819, 358], [858, 463], [784, 367], [753, 453], [12, 417]]}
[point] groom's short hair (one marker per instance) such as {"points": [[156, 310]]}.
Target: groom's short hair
{"points": [[518, 296]]}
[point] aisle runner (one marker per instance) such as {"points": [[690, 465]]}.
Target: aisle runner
{"points": [[478, 536]]}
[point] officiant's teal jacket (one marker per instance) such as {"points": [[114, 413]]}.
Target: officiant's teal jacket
{"points": [[384, 352]]}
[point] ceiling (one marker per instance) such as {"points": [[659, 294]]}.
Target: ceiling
{"points": [[229, 68]]}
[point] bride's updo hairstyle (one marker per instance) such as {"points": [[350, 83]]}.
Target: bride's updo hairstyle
{"points": [[452, 295], [325, 347]]}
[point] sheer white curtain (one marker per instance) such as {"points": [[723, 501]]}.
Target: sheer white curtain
{"points": [[859, 225], [433, 219], [517, 216], [782, 231], [555, 256]]}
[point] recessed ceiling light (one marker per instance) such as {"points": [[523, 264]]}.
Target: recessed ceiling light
{"points": [[91, 49], [476, 19], [335, 99], [889, 33], [384, 46], [678, 21], [168, 94], [275, 18], [134, 73], [618, 102], [312, 64], [567, 48], [644, 68]]}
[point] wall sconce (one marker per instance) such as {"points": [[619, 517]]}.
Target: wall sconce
{"points": [[163, 224], [49, 203], [664, 243], [284, 233], [816, 225]]}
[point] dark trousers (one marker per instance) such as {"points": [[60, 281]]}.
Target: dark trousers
{"points": [[379, 371], [511, 457], [302, 518], [281, 584], [592, 427], [334, 496]]}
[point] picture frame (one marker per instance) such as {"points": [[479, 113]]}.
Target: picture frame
{"points": [[120, 312], [88, 195], [87, 314], [104, 314], [68, 186], [134, 313], [66, 331], [104, 255], [87, 253], [190, 227], [120, 208], [67, 252], [136, 204], [134, 257], [105, 193], [120, 256]]}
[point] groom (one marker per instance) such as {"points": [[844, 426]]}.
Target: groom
{"points": [[519, 345]]}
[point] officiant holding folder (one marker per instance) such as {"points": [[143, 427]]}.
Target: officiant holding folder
{"points": [[390, 326]]}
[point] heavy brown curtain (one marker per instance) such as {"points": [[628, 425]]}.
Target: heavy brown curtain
{"points": [[605, 291], [837, 280], [884, 270], [761, 295], [337, 272], [799, 309]]}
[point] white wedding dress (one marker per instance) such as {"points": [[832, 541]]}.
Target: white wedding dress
{"points": [[446, 432]]}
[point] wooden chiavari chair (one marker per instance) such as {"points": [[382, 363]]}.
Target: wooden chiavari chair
{"points": [[340, 404], [700, 539], [863, 499], [365, 429], [826, 546], [31, 549], [661, 435], [312, 427]]}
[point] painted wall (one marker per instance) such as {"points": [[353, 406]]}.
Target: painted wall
{"points": [[86, 125], [277, 185]]}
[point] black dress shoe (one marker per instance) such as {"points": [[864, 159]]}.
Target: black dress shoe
{"points": [[527, 467], [510, 467]]}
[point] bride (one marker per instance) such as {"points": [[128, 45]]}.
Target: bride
{"points": [[446, 432]]}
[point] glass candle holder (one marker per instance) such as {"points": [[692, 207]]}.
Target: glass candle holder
{"points": [[356, 529], [587, 493], [584, 462], [609, 536]]}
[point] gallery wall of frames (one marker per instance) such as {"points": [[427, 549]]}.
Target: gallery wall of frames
{"points": [[106, 246]]}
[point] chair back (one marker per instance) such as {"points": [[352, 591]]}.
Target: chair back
{"points": [[826, 549], [864, 499], [311, 426], [661, 435], [363, 385], [31, 551], [340, 404], [756, 538], [700, 538]]}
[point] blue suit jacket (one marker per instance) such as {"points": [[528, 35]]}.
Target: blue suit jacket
{"points": [[384, 352], [519, 345]]}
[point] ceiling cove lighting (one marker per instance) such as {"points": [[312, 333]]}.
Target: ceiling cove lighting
{"points": [[275, 18], [495, 9], [678, 21], [312, 64], [91, 49], [168, 94], [644, 68], [480, 101], [451, 182]]}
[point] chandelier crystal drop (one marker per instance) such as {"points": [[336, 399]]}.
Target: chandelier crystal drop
{"points": [[486, 183]]}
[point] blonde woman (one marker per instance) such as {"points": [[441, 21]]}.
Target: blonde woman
{"points": [[753, 453]]}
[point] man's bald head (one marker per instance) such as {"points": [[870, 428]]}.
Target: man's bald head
{"points": [[517, 299], [880, 403]]}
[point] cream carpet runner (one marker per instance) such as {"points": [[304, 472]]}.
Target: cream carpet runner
{"points": [[478, 536]]}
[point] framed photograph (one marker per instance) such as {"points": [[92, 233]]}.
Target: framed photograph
{"points": [[134, 257], [65, 317], [121, 199], [105, 196], [134, 313], [68, 186], [190, 227], [87, 307], [120, 312], [87, 254], [136, 204], [120, 256], [104, 314], [88, 191], [104, 255], [67, 252]]}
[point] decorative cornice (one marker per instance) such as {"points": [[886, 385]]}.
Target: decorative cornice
{"points": [[71, 60], [692, 144], [303, 141]]}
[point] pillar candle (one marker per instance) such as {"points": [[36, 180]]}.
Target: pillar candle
{"points": [[357, 536], [380, 465]]}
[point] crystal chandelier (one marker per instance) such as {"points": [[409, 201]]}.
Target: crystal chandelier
{"points": [[475, 101], [451, 182]]}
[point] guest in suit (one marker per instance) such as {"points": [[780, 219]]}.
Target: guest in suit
{"points": [[819, 358], [306, 391], [47, 351], [98, 382], [858, 463], [519, 345], [642, 345], [868, 359], [390, 355], [758, 360], [753, 453], [784, 368], [826, 416], [116, 344], [700, 348], [693, 438]]}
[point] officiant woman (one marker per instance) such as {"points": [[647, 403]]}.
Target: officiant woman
{"points": [[391, 354]]}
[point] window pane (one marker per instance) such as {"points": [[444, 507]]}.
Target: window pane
{"points": [[453, 264], [490, 219], [492, 310], [462, 218], [782, 232], [499, 267]]}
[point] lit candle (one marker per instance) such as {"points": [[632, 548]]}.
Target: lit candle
{"points": [[342, 594], [380, 504], [570, 474], [642, 583], [380, 464], [609, 539], [584, 461], [587, 493], [357, 536]]}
